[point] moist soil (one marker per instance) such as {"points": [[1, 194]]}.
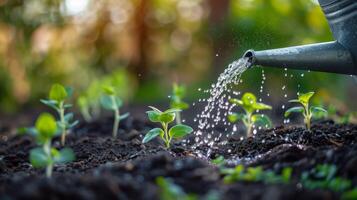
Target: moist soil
{"points": [[124, 168]]}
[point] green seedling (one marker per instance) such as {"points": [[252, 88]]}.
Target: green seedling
{"points": [[250, 106], [219, 161], [111, 101], [165, 118], [46, 156], [307, 111], [256, 174], [178, 93], [84, 106], [324, 177], [57, 97]]}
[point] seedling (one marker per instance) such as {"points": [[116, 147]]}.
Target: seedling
{"points": [[111, 101], [165, 118], [83, 105], [219, 161], [46, 156], [178, 93], [308, 112], [250, 106], [57, 97], [256, 174], [324, 177]]}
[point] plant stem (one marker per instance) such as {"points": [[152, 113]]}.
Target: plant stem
{"points": [[307, 117], [167, 140], [178, 118], [47, 150], [116, 123], [63, 124], [249, 125]]}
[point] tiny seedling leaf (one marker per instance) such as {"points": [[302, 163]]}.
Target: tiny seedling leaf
{"points": [[261, 120], [155, 109], [305, 97], [46, 125], [152, 134], [58, 93], [154, 116], [179, 105], [235, 117], [172, 110], [123, 116], [108, 103], [249, 99], [39, 158], [68, 117], [67, 106], [316, 110], [65, 155], [298, 109], [180, 130], [236, 101], [109, 90], [50, 103], [261, 106], [167, 117]]}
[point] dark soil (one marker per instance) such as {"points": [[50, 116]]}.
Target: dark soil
{"points": [[124, 168]]}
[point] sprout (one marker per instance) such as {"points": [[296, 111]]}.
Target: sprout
{"points": [[250, 106], [46, 156], [58, 95], [308, 112], [112, 102], [178, 93], [166, 117]]}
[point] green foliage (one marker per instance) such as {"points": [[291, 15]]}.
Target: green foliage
{"points": [[84, 107], [178, 93], [308, 112], [219, 161], [350, 195], [324, 177], [250, 106], [165, 118], [256, 174], [46, 156], [111, 101], [57, 97]]}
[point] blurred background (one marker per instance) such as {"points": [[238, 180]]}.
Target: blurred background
{"points": [[143, 46]]}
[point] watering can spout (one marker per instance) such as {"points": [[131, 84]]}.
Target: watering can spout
{"points": [[339, 56], [324, 57]]}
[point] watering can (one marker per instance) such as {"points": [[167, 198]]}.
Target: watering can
{"points": [[339, 56]]}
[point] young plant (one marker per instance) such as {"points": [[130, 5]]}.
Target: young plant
{"points": [[307, 111], [83, 105], [111, 101], [250, 106], [57, 97], [46, 156], [178, 93], [170, 191], [165, 118]]}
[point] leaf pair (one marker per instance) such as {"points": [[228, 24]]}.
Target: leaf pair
{"points": [[40, 159], [249, 103], [176, 132]]}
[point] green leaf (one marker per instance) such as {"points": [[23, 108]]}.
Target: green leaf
{"points": [[64, 156], [294, 101], [350, 195], [32, 131], [235, 117], [155, 109], [68, 117], [180, 130], [298, 109], [179, 105], [58, 93], [167, 117], [236, 101], [153, 133], [108, 103], [154, 116], [38, 158], [261, 120], [172, 110], [46, 125], [286, 174], [249, 99], [179, 90], [69, 91], [304, 98], [51, 103], [261, 106], [75, 123], [109, 90], [123, 116], [67, 105], [316, 110]]}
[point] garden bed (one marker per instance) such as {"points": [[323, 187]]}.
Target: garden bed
{"points": [[124, 168]]}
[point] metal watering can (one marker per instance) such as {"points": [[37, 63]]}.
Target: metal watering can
{"points": [[339, 56]]}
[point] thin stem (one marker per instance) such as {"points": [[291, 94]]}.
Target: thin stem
{"points": [[167, 140], [249, 125], [116, 123], [307, 117], [47, 150], [63, 124], [49, 169], [178, 118]]}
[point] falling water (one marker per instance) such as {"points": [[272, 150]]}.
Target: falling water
{"points": [[217, 107]]}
